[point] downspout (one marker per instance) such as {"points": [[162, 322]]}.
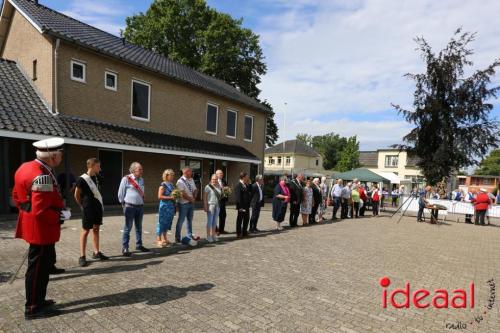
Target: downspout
{"points": [[264, 149], [55, 108]]}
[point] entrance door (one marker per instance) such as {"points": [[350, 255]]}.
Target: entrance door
{"points": [[112, 173], [196, 166]]}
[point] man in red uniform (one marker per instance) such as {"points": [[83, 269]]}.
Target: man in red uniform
{"points": [[40, 204], [481, 203]]}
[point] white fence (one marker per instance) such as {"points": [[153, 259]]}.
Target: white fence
{"points": [[453, 207]]}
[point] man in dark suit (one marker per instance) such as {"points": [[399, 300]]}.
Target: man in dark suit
{"points": [[296, 192], [222, 203], [257, 202], [243, 195]]}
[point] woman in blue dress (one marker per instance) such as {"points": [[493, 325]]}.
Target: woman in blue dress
{"points": [[167, 208]]}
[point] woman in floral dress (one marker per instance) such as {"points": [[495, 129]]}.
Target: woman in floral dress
{"points": [[307, 202], [167, 207]]}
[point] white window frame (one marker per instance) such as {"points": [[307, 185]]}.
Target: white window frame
{"points": [[270, 160], [279, 160], [288, 160], [244, 127], [106, 73], [216, 119], [132, 99], [390, 158], [81, 63], [235, 124]]}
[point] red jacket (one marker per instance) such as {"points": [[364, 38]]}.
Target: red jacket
{"points": [[362, 194], [481, 201], [37, 196]]}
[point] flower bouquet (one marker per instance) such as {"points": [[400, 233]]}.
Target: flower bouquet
{"points": [[176, 194], [226, 192]]}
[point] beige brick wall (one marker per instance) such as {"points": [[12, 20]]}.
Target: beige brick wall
{"points": [[25, 44], [175, 108]]}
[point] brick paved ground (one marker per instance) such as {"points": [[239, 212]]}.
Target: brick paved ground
{"points": [[315, 279]]}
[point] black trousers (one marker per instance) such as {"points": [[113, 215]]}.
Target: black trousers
{"points": [[355, 212], [345, 208], [362, 209], [375, 208], [312, 216], [480, 215], [294, 214], [41, 258], [222, 216], [242, 222], [255, 217]]}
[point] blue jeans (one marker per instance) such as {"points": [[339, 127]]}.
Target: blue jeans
{"points": [[133, 215], [185, 211], [212, 218], [336, 205]]}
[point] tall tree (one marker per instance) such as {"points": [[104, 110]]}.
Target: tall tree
{"points": [[330, 147], [450, 110], [271, 128], [193, 34], [349, 156], [490, 165], [304, 137]]}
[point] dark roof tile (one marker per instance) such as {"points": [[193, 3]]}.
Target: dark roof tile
{"points": [[292, 147]]}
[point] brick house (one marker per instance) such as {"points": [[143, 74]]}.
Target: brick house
{"points": [[116, 101]]}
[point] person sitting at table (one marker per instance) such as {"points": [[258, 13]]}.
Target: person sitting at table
{"points": [[423, 203]]}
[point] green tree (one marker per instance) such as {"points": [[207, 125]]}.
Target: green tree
{"points": [[271, 128], [490, 165], [193, 34], [349, 156], [450, 110], [304, 137], [330, 147]]}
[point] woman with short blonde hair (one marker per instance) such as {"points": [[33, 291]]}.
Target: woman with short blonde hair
{"points": [[166, 210]]}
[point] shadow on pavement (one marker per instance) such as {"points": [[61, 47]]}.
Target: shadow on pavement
{"points": [[75, 273], [151, 296]]}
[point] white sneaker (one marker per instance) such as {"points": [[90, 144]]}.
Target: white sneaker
{"points": [[169, 232], [215, 238], [210, 239]]}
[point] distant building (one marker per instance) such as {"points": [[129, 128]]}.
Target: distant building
{"points": [[475, 182], [292, 157], [392, 164]]}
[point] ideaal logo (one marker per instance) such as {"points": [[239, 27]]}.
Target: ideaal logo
{"points": [[423, 298], [440, 299]]}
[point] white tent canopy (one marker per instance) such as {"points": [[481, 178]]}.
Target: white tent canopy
{"points": [[389, 175]]}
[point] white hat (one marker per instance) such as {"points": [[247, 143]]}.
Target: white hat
{"points": [[51, 144], [482, 189]]}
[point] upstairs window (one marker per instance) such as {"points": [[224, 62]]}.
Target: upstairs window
{"points": [[232, 117], [317, 162], [391, 161], [35, 62], [212, 118], [141, 100], [287, 160], [279, 160], [78, 71], [110, 81], [270, 160], [248, 128]]}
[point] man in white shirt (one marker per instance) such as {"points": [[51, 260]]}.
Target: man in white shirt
{"points": [[257, 202], [186, 203]]}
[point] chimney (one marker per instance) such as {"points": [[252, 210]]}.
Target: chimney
{"points": [[123, 41]]}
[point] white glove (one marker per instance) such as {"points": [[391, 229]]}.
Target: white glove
{"points": [[65, 214]]}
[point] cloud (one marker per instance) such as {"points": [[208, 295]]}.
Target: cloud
{"points": [[334, 60], [107, 16]]}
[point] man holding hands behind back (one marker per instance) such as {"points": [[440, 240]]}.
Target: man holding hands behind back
{"points": [[41, 213]]}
